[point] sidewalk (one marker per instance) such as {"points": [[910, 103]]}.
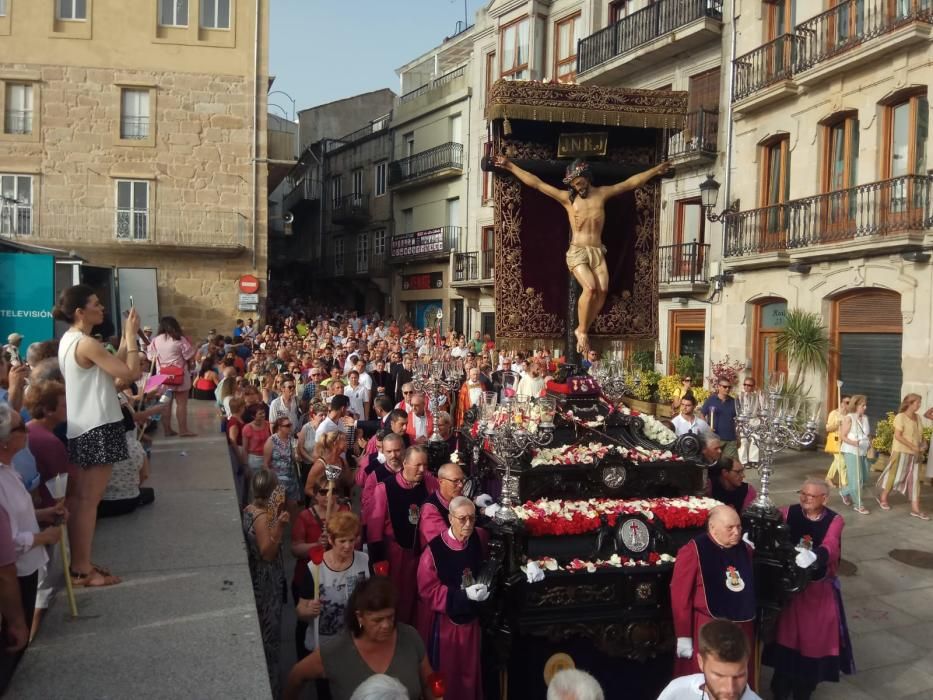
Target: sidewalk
{"points": [[183, 622], [889, 605]]}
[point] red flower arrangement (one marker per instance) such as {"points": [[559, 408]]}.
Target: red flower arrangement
{"points": [[544, 517]]}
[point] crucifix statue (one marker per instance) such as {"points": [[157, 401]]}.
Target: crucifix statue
{"points": [[585, 207]]}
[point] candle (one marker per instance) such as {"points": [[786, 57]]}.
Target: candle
{"points": [[316, 555], [712, 418]]}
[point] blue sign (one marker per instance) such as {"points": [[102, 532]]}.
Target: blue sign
{"points": [[27, 295], [426, 313]]}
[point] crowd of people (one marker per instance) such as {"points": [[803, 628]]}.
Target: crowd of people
{"points": [[328, 434]]}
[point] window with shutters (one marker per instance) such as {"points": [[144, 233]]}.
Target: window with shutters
{"points": [[774, 181], [703, 111], [905, 126], [839, 168], [866, 330]]}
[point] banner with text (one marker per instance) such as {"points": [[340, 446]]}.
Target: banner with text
{"points": [[418, 243], [27, 294]]}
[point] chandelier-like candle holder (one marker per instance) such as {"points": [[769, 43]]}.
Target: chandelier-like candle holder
{"points": [[773, 422], [513, 427], [434, 377]]}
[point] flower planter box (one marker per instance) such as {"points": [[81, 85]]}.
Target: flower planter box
{"points": [[664, 410], [641, 406]]}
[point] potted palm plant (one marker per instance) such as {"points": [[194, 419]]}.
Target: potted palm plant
{"points": [[805, 343]]}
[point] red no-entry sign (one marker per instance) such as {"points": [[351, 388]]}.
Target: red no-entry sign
{"points": [[249, 284]]}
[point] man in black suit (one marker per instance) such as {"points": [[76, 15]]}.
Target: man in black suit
{"points": [[402, 375]]}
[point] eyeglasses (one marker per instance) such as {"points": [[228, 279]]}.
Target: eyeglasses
{"points": [[749, 384], [464, 518], [804, 494], [725, 386], [687, 379], [406, 393], [285, 425], [288, 386], [461, 482]]}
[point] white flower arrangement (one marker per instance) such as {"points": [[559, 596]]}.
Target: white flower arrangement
{"points": [[656, 431]]}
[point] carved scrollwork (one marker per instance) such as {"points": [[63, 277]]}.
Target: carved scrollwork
{"points": [[560, 596]]}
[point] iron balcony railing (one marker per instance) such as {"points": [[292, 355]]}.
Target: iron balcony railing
{"points": [[351, 208], [853, 22], [74, 224], [683, 262], [430, 85], [844, 26], [428, 243], [875, 209], [466, 267], [351, 265], [766, 65], [134, 128], [378, 124], [698, 136], [443, 157], [642, 27], [17, 121]]}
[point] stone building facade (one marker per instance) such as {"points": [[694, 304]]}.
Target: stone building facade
{"points": [[142, 145]]}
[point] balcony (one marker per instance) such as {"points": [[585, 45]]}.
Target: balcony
{"points": [[421, 246], [683, 268], [354, 265], [202, 230], [17, 121], [877, 218], [351, 210], [822, 47], [303, 190], [828, 38], [473, 269], [437, 163], [657, 32], [134, 128], [697, 143]]}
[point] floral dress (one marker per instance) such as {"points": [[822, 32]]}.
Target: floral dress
{"points": [[283, 464], [269, 592]]}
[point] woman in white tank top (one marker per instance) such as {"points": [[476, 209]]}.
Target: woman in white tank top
{"points": [[96, 437]]}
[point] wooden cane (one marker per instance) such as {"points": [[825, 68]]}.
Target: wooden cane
{"points": [[66, 562]]}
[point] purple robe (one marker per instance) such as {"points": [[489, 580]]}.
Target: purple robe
{"points": [[448, 622], [391, 530], [434, 518], [737, 498], [811, 641]]}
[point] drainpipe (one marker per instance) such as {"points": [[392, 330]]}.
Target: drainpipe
{"points": [[255, 143], [729, 125]]}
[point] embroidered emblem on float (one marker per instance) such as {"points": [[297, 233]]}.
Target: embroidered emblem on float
{"points": [[413, 514], [635, 535], [734, 581]]}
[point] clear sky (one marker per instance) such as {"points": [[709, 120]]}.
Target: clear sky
{"points": [[324, 50]]}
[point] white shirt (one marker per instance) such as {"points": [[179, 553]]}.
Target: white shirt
{"points": [[277, 409], [459, 352], [358, 396], [682, 426], [421, 425], [327, 426], [530, 386], [91, 396], [367, 381], [692, 688], [24, 527]]}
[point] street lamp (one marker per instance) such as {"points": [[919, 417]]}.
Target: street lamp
{"points": [[287, 97], [709, 194]]}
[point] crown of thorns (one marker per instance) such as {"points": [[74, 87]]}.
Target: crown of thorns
{"points": [[578, 168]]}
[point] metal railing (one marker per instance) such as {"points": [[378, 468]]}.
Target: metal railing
{"points": [[698, 136], [88, 225], [443, 157], [642, 27], [17, 121], [683, 262], [430, 85], [766, 65], [15, 219], [331, 266], [428, 243], [353, 207], [134, 128], [466, 267], [852, 22], [378, 124], [875, 209]]}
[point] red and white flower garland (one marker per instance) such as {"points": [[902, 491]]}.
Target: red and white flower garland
{"points": [[560, 517], [550, 564], [588, 454]]}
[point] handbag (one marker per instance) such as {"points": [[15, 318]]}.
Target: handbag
{"points": [[175, 375]]}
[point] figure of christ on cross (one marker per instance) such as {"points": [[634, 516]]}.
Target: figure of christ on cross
{"points": [[585, 207]]}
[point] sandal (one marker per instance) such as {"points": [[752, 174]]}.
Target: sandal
{"points": [[93, 579], [861, 510], [883, 505], [189, 435], [919, 514], [846, 500]]}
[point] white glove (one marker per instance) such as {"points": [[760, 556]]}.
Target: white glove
{"points": [[534, 572], [805, 557], [483, 500], [381, 458], [477, 592], [684, 648], [490, 511], [747, 540]]}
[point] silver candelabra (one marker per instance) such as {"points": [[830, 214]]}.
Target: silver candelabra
{"points": [[611, 380], [434, 377], [514, 427], [774, 421]]}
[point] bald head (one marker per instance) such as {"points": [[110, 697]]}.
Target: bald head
{"points": [[724, 526], [451, 481]]}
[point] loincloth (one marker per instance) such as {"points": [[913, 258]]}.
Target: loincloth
{"points": [[590, 255]]}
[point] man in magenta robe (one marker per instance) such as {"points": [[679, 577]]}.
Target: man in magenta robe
{"points": [[713, 579], [448, 591], [378, 471], [812, 642], [392, 526], [436, 509]]}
